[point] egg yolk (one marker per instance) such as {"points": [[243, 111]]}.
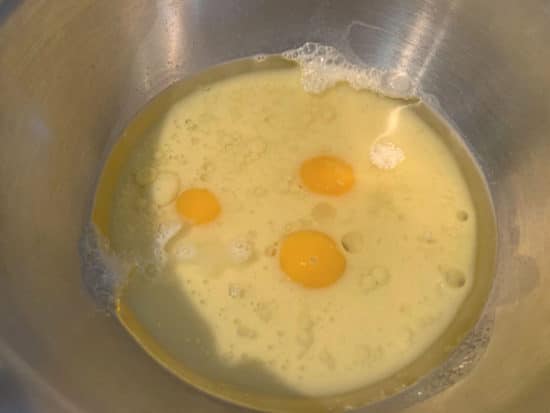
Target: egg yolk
{"points": [[311, 258], [327, 175], [198, 206]]}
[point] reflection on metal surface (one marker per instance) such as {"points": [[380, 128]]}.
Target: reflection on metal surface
{"points": [[84, 68], [15, 394], [7, 7]]}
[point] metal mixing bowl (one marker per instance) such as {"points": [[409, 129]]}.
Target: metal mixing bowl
{"points": [[72, 73]]}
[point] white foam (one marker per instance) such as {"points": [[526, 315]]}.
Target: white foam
{"points": [[102, 273], [240, 250], [324, 66], [386, 155]]}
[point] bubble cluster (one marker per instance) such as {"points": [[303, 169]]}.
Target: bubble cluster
{"points": [[386, 155], [374, 278], [235, 291], [462, 361], [102, 273], [324, 66], [241, 250]]}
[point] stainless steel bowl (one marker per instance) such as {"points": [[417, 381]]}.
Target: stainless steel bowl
{"points": [[72, 73]]}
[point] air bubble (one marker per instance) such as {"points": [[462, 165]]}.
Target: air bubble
{"points": [[241, 251], [400, 83], [289, 227], [259, 191], [264, 312], [462, 216], [235, 291], [246, 332], [185, 251], [375, 278], [323, 211], [305, 339], [165, 188], [327, 359], [271, 250], [427, 238], [454, 278], [353, 242]]}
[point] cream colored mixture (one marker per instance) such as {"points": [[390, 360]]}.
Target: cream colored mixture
{"points": [[214, 297]]}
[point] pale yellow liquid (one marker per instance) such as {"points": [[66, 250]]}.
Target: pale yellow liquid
{"points": [[248, 324]]}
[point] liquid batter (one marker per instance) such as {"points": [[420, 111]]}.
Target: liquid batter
{"points": [[215, 208]]}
